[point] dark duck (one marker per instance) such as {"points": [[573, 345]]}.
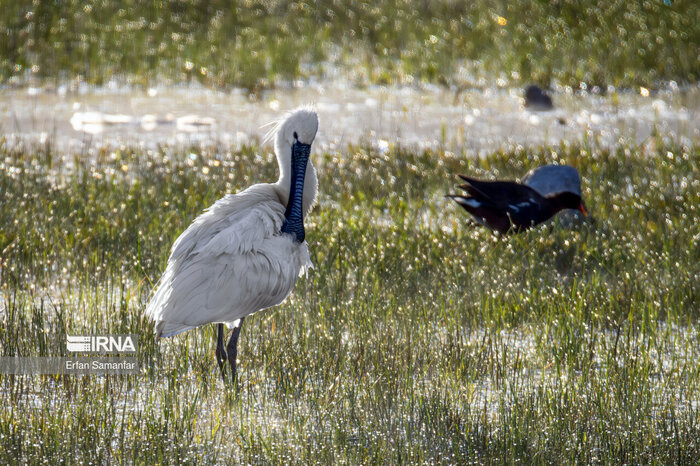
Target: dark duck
{"points": [[507, 206], [537, 99]]}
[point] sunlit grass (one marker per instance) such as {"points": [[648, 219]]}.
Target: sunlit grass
{"points": [[256, 44], [417, 337]]}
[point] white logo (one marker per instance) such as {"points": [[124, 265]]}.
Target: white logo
{"points": [[81, 344], [100, 344]]}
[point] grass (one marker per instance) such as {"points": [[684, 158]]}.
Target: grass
{"points": [[418, 337], [257, 44]]}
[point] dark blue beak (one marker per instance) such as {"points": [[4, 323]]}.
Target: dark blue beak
{"points": [[294, 221]]}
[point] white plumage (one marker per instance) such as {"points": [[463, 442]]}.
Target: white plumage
{"points": [[233, 260]]}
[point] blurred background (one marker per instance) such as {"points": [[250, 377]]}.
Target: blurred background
{"points": [[438, 74], [261, 44]]}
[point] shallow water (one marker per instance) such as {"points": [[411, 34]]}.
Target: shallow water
{"points": [[473, 122]]}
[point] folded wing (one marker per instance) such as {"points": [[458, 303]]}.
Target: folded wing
{"points": [[231, 262]]}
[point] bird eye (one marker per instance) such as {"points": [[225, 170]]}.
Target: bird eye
{"points": [[296, 136]]}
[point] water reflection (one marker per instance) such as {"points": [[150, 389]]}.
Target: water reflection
{"points": [[473, 122]]}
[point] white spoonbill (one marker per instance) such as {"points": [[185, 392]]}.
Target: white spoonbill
{"points": [[245, 252]]}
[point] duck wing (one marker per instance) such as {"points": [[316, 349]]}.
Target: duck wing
{"points": [[501, 193], [502, 204], [484, 212]]}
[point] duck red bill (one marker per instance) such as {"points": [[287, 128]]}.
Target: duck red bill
{"points": [[582, 209]]}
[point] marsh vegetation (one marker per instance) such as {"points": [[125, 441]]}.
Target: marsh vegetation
{"points": [[417, 337], [256, 44]]}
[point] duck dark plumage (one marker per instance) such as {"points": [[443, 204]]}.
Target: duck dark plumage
{"points": [[537, 99], [507, 206]]}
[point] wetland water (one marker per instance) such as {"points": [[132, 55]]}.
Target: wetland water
{"points": [[473, 122]]}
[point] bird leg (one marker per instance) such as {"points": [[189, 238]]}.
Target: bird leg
{"points": [[220, 351], [232, 348]]}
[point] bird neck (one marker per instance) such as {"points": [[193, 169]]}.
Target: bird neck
{"points": [[294, 214]]}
